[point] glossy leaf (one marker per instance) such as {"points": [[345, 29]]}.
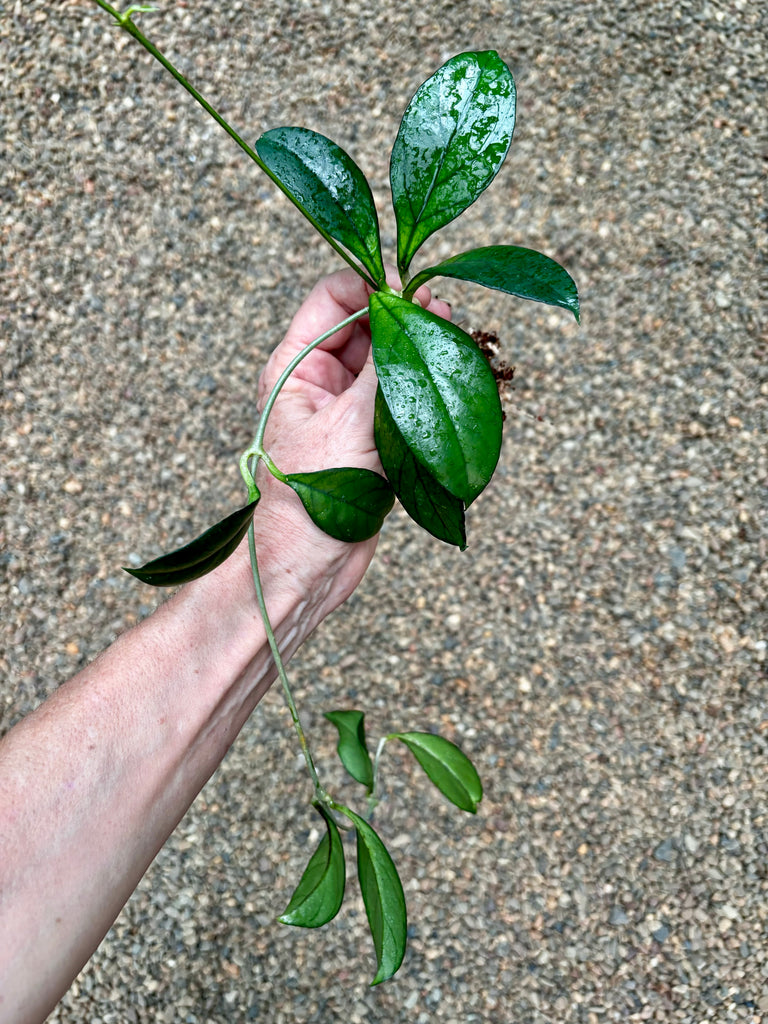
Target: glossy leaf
{"points": [[329, 188], [348, 504], [452, 141], [383, 897], [201, 555], [423, 498], [352, 748], [447, 766], [509, 268], [317, 897], [440, 392]]}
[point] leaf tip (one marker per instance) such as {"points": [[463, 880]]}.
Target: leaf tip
{"points": [[382, 976], [142, 577], [474, 804]]}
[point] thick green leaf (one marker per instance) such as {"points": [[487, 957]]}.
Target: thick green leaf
{"points": [[452, 141], [509, 268], [329, 188], [383, 897], [423, 498], [201, 555], [440, 392], [348, 504], [317, 897], [352, 748], [448, 767]]}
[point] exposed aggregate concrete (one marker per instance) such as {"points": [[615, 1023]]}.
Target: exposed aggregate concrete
{"points": [[599, 649]]}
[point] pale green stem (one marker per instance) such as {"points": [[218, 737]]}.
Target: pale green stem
{"points": [[259, 439], [320, 793], [278, 474], [373, 796], [340, 809], [257, 451], [124, 21]]}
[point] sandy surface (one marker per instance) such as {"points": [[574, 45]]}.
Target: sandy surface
{"points": [[599, 649]]}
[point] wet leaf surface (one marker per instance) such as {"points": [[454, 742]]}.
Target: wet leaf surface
{"points": [[453, 139], [319, 894], [348, 504], [201, 555], [329, 188], [440, 393], [423, 498]]}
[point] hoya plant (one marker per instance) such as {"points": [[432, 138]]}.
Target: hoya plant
{"points": [[437, 417]]}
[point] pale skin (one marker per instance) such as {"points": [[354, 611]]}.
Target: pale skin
{"points": [[93, 783]]}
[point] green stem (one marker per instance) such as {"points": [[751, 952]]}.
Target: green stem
{"points": [[257, 448], [124, 21], [320, 793], [340, 809], [256, 451], [373, 796], [278, 474], [411, 287]]}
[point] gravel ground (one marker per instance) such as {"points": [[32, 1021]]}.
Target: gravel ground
{"points": [[600, 648]]}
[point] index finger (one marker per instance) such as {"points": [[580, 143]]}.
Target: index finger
{"points": [[332, 300]]}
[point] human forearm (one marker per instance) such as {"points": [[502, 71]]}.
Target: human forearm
{"points": [[96, 780]]}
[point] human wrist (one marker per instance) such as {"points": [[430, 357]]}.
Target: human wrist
{"points": [[304, 575], [306, 558]]}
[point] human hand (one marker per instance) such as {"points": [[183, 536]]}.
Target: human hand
{"points": [[323, 418]]}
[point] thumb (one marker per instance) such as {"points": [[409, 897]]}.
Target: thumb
{"points": [[354, 410], [364, 386]]}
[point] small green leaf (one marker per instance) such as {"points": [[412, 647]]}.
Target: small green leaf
{"points": [[329, 188], [423, 498], [440, 392], [201, 555], [452, 141], [352, 748], [509, 268], [317, 897], [348, 504], [383, 897], [448, 767]]}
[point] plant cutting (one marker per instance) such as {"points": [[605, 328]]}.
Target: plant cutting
{"points": [[437, 416]]}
